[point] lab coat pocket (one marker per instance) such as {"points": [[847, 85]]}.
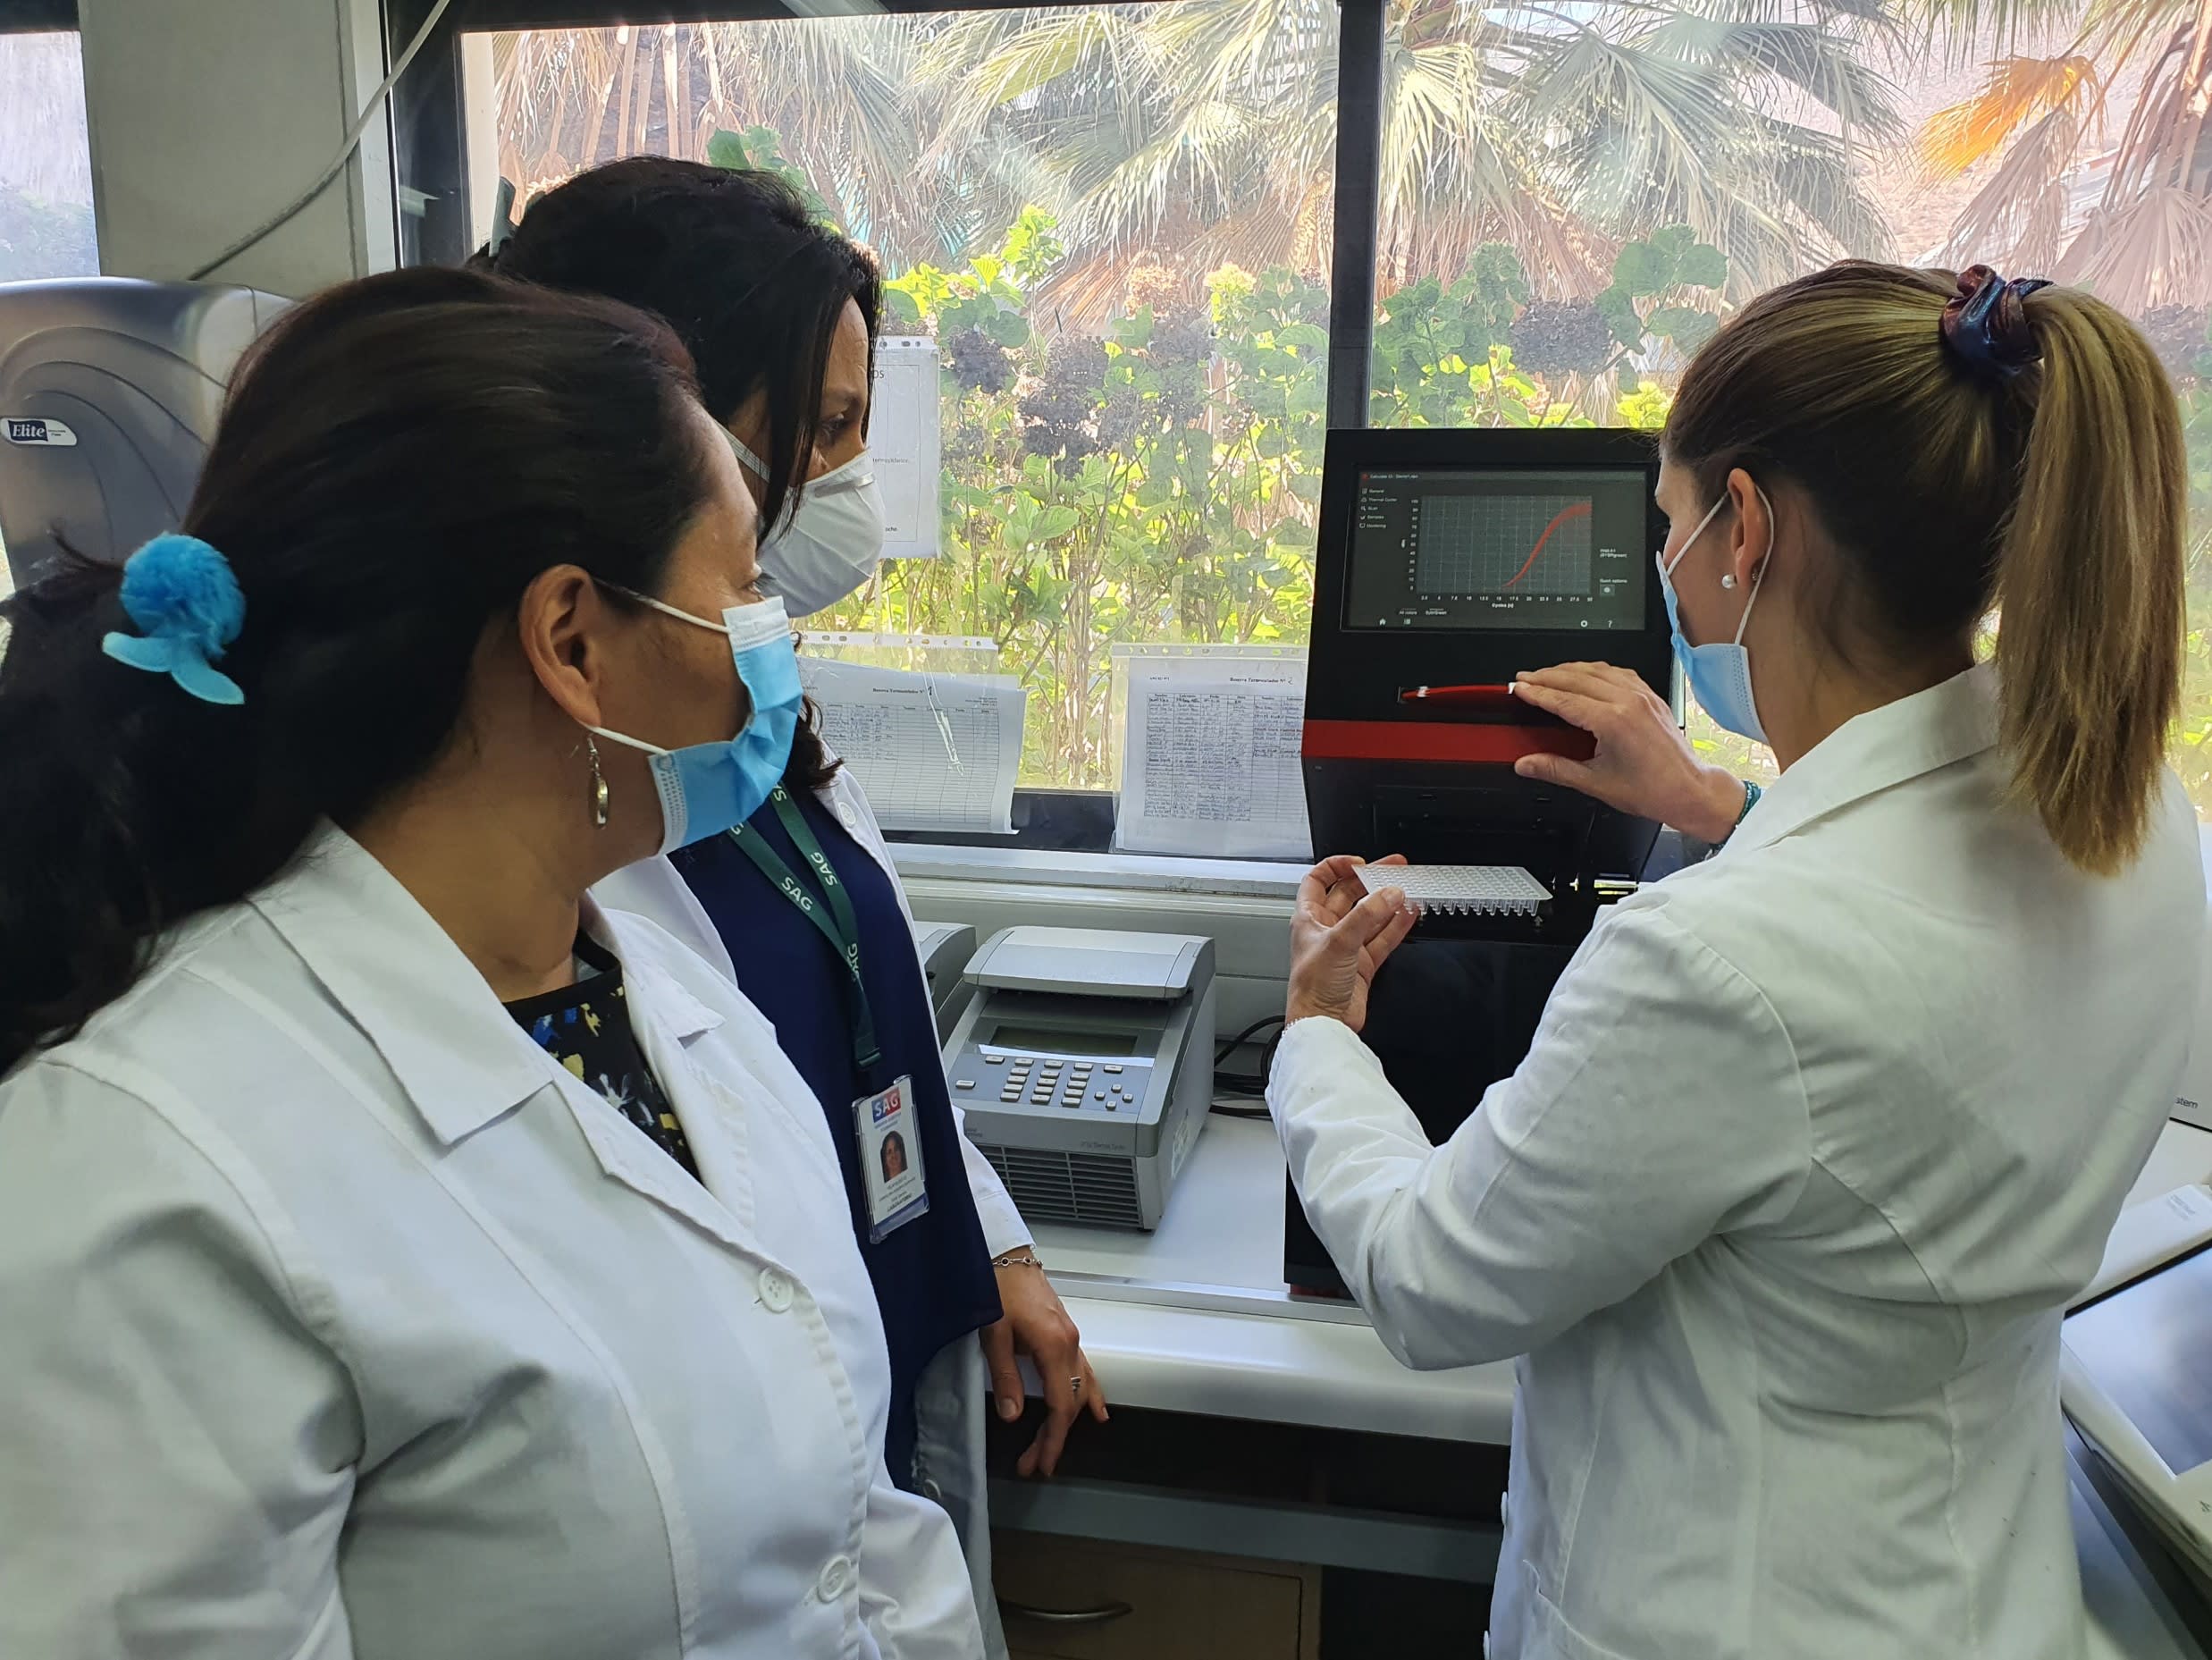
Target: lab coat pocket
{"points": [[1550, 1635]]}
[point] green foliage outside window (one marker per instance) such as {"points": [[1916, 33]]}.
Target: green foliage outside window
{"points": [[1160, 483]]}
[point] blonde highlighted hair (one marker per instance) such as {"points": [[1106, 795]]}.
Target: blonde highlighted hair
{"points": [[1948, 487]]}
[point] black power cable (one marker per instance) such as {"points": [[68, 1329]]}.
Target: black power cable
{"points": [[1239, 1083]]}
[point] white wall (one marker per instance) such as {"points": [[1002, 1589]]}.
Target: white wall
{"points": [[209, 115]]}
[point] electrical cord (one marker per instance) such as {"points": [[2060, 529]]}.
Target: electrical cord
{"points": [[1244, 1084], [1227, 1046], [346, 148]]}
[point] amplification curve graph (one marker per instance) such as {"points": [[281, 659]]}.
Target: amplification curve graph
{"points": [[1537, 544]]}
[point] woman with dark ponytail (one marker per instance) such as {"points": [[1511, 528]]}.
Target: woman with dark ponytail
{"points": [[1819, 1137], [400, 1255]]}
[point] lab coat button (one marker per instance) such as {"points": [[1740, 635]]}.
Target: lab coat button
{"points": [[775, 1291], [836, 1579], [1485, 1646], [846, 816], [1505, 1509]]}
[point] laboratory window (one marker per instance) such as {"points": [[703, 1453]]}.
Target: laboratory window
{"points": [[46, 168], [1106, 231], [1691, 155], [1109, 233]]}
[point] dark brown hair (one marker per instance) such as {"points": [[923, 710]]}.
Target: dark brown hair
{"points": [[733, 260], [397, 461], [1949, 487], [749, 279]]}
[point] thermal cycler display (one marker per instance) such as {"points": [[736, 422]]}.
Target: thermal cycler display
{"points": [[1460, 549]]}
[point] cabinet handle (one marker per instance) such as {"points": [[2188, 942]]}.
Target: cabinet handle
{"points": [[1104, 1615]]}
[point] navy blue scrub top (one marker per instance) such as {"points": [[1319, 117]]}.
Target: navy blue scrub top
{"points": [[933, 1277]]}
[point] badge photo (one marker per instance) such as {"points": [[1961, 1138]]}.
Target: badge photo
{"points": [[890, 1159]]}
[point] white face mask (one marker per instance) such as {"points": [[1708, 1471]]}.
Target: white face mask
{"points": [[831, 545]]}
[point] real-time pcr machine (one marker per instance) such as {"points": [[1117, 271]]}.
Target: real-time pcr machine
{"points": [[1447, 563]]}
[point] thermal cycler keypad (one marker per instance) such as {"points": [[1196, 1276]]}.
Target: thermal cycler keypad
{"points": [[1074, 1083]]}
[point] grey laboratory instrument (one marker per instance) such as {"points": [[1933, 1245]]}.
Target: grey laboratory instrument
{"points": [[1085, 1066], [109, 391], [2135, 1355], [944, 949], [2193, 1102]]}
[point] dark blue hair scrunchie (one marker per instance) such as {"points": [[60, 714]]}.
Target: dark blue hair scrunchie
{"points": [[184, 598], [1985, 323]]}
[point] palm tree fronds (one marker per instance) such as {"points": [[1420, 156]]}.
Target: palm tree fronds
{"points": [[2020, 217], [2019, 92], [2156, 251]]}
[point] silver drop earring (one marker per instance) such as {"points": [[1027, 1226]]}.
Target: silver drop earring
{"points": [[599, 784]]}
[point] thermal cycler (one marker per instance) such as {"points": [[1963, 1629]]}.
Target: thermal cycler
{"points": [[1447, 562], [1085, 1066]]}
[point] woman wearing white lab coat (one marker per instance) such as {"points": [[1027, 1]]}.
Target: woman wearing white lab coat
{"points": [[401, 1255], [781, 314], [1816, 1139]]}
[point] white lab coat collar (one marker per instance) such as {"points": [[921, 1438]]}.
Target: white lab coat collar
{"points": [[463, 1060], [460, 1057], [436, 1021], [651, 888], [1877, 751]]}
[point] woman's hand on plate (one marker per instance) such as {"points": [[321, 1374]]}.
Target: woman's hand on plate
{"points": [[1343, 930]]}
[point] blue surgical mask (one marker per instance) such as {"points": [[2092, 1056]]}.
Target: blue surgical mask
{"points": [[708, 788], [1719, 673]]}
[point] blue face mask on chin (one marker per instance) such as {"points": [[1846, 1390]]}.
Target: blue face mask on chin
{"points": [[1719, 673], [708, 788]]}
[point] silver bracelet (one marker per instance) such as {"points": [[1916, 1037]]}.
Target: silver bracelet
{"points": [[1019, 1257]]}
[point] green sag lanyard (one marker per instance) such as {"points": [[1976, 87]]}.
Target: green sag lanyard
{"points": [[840, 928]]}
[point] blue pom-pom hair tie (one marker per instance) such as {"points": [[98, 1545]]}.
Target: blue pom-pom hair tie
{"points": [[184, 598], [1986, 324]]}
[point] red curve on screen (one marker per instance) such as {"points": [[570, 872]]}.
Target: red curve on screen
{"points": [[1581, 509]]}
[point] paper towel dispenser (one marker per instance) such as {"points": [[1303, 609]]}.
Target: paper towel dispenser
{"points": [[109, 392]]}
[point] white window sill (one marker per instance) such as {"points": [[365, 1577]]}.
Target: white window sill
{"points": [[1143, 872]]}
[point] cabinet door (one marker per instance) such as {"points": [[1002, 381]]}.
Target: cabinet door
{"points": [[1125, 1602]]}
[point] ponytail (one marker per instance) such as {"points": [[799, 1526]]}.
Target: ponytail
{"points": [[2029, 450], [2089, 582]]}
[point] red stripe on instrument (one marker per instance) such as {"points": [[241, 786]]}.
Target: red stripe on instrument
{"points": [[1433, 740]]}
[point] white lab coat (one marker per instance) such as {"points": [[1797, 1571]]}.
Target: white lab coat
{"points": [[952, 1392], [1813, 1143], [341, 1321]]}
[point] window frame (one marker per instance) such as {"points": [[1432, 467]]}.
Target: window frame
{"points": [[429, 158], [38, 17]]}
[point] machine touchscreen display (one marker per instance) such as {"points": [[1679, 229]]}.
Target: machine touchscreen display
{"points": [[1454, 549]]}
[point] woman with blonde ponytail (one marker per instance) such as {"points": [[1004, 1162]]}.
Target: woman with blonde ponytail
{"points": [[1818, 1137]]}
